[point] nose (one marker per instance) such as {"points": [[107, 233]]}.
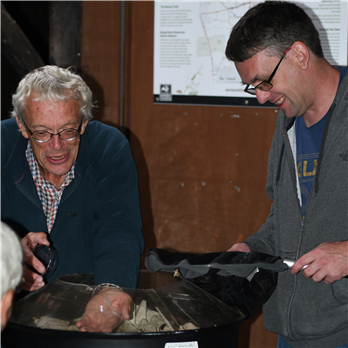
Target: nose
{"points": [[56, 143], [262, 96]]}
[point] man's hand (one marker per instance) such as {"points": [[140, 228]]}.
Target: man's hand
{"points": [[328, 262], [33, 281], [239, 247], [105, 311]]}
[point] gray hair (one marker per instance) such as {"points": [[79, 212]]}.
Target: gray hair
{"points": [[53, 84], [11, 259]]}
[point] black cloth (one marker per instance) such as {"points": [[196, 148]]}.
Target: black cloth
{"points": [[227, 276]]}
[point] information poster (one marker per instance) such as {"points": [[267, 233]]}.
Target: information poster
{"points": [[189, 48]]}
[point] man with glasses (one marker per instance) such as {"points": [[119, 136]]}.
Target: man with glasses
{"points": [[278, 55], [70, 183]]}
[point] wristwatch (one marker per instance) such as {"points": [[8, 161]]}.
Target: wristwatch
{"points": [[102, 286]]}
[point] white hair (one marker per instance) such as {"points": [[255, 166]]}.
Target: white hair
{"points": [[53, 83], [11, 259]]}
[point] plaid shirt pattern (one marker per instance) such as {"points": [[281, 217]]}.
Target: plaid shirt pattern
{"points": [[48, 194]]}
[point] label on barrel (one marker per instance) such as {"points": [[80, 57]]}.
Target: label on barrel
{"points": [[193, 344]]}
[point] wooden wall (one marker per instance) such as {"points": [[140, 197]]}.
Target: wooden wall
{"points": [[202, 169]]}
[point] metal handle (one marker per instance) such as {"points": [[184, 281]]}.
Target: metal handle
{"points": [[290, 263]]}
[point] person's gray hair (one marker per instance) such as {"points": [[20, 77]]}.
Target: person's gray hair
{"points": [[53, 83], [11, 259]]}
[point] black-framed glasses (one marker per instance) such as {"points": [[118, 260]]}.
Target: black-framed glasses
{"points": [[266, 84], [42, 136]]}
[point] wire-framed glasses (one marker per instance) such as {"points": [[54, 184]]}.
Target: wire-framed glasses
{"points": [[266, 84], [42, 136]]}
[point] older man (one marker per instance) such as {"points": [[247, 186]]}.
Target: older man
{"points": [[277, 52], [69, 182]]}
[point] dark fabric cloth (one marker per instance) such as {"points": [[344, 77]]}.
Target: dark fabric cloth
{"points": [[228, 263], [98, 223], [227, 276]]}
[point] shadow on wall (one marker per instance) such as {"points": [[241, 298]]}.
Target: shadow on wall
{"points": [[98, 97], [145, 193]]}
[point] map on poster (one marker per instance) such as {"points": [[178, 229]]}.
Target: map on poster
{"points": [[189, 48]]}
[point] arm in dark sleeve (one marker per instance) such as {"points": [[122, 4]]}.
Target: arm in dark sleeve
{"points": [[117, 240]]}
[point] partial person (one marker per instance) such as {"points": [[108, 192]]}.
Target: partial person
{"points": [[70, 183], [10, 268], [278, 55]]}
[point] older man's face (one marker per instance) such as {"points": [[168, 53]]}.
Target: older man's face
{"points": [[56, 157]]}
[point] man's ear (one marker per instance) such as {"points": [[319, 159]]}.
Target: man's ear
{"points": [[22, 128], [6, 307], [302, 54], [83, 127]]}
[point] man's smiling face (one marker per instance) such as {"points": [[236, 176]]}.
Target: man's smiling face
{"points": [[56, 157], [287, 94]]}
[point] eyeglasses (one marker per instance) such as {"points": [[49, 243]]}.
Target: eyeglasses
{"points": [[266, 84], [42, 136]]}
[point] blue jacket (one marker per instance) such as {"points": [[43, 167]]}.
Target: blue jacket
{"points": [[98, 223]]}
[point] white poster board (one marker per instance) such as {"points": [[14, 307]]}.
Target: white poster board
{"points": [[189, 48]]}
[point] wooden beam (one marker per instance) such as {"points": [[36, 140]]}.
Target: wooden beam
{"points": [[16, 46], [65, 26]]}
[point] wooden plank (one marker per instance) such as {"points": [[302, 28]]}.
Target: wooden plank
{"points": [[100, 56], [65, 25], [202, 168], [16, 46]]}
